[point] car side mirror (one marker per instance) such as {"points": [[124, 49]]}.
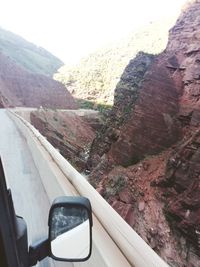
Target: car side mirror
{"points": [[70, 229]]}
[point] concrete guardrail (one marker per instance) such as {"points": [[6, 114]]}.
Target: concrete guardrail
{"points": [[58, 176]]}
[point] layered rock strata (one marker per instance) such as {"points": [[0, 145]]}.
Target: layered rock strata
{"points": [[145, 161]]}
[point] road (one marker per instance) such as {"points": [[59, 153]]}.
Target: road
{"points": [[22, 176], [32, 203]]}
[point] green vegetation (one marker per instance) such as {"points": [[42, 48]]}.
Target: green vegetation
{"points": [[88, 104], [33, 58], [96, 76]]}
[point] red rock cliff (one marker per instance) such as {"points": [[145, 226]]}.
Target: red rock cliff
{"points": [[146, 159]]}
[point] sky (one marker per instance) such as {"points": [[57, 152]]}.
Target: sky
{"points": [[71, 29]]}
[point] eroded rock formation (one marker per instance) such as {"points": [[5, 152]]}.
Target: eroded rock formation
{"points": [[146, 159]]}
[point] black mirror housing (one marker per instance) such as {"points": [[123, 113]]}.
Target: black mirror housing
{"points": [[70, 229]]}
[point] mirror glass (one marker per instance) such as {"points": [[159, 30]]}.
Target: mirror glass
{"points": [[70, 233]]}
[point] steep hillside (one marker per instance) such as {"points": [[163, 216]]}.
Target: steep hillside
{"points": [[33, 58], [18, 87], [67, 131], [145, 160], [96, 76]]}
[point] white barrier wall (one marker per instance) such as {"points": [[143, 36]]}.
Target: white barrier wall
{"points": [[125, 247]]}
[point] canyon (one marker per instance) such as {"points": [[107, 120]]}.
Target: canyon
{"points": [[143, 157]]}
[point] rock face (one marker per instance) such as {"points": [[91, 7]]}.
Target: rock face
{"points": [[146, 159], [18, 87]]}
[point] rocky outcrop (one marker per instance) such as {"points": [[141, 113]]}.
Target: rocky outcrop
{"points": [[126, 95], [143, 120], [151, 126], [18, 87]]}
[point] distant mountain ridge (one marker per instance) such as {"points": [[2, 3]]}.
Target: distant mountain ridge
{"points": [[20, 88], [31, 57], [97, 75]]}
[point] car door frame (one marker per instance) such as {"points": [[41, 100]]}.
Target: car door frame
{"points": [[8, 243]]}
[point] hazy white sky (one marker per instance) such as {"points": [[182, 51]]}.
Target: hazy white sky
{"points": [[71, 29]]}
